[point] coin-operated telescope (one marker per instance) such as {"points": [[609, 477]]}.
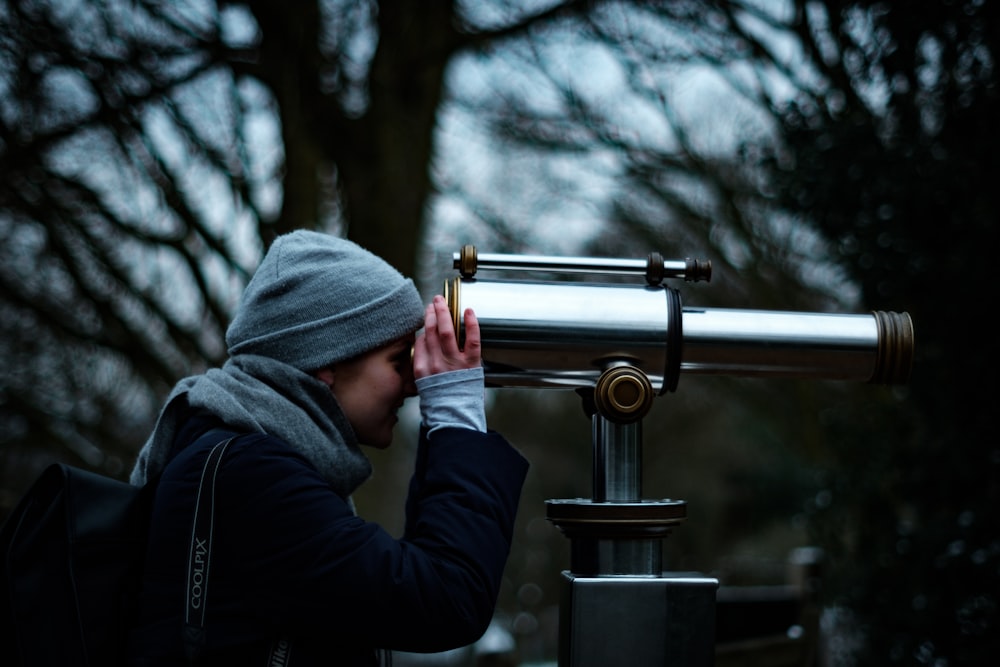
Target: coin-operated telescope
{"points": [[619, 345]]}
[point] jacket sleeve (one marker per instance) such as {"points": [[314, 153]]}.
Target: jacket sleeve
{"points": [[320, 569]]}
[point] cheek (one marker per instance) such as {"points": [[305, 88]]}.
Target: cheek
{"points": [[394, 388], [386, 386]]}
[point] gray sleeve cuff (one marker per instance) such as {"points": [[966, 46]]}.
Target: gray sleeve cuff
{"points": [[453, 399]]}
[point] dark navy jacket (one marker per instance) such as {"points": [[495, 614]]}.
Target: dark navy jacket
{"points": [[291, 559]]}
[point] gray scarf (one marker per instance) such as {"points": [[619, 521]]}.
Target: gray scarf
{"points": [[260, 395]]}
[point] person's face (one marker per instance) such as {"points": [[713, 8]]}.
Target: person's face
{"points": [[371, 388]]}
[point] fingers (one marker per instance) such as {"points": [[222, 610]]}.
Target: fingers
{"points": [[473, 347], [445, 327], [437, 350], [421, 354]]}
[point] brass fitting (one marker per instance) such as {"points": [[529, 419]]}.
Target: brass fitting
{"points": [[623, 394]]}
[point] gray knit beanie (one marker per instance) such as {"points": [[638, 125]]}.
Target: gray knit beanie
{"points": [[317, 299]]}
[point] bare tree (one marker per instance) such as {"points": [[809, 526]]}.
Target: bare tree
{"points": [[151, 150]]}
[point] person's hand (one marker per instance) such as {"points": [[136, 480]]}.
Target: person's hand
{"points": [[437, 351]]}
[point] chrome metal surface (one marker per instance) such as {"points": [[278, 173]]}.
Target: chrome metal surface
{"points": [[616, 538], [780, 344], [616, 557], [664, 622], [617, 461], [469, 261], [558, 335], [564, 335]]}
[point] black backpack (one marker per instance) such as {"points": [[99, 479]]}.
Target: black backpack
{"points": [[72, 555]]}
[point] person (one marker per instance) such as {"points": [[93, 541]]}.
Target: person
{"points": [[319, 363]]}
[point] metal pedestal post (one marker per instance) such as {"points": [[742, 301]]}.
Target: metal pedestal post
{"points": [[636, 621], [618, 606]]}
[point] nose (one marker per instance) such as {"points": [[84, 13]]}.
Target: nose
{"points": [[410, 389]]}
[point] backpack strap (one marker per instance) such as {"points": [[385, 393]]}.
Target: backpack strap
{"points": [[200, 554], [200, 560]]}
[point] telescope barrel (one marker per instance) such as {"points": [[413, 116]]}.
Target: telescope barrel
{"points": [[875, 347], [564, 335]]}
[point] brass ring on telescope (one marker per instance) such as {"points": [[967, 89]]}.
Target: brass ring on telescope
{"points": [[894, 356], [467, 263], [453, 299], [623, 394]]}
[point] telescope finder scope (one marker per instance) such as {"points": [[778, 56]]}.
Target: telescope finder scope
{"points": [[566, 335]]}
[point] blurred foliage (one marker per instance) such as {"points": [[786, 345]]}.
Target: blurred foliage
{"points": [[904, 186]]}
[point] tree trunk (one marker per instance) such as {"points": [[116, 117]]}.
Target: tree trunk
{"points": [[384, 171]]}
